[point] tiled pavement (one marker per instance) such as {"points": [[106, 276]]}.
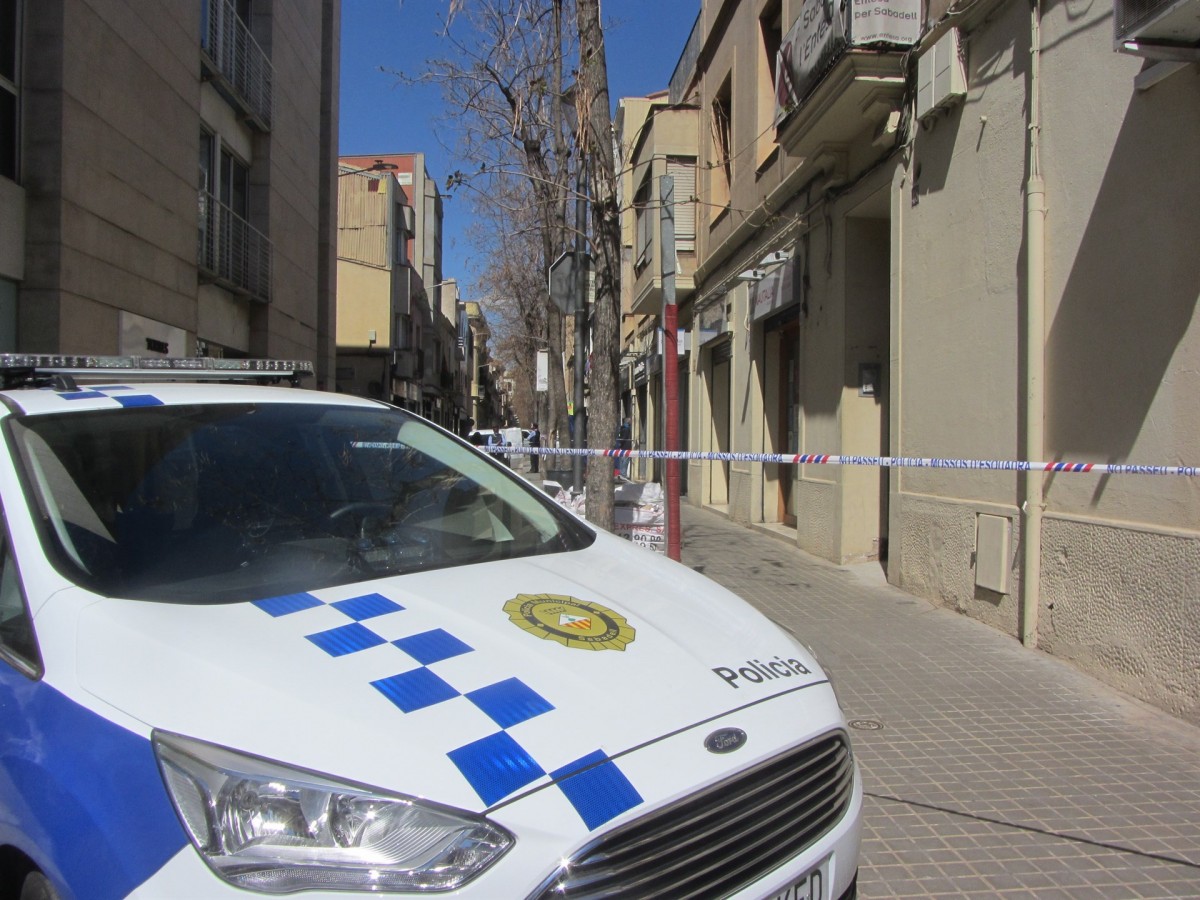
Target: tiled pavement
{"points": [[995, 771]]}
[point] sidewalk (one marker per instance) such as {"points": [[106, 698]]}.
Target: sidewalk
{"points": [[990, 770]]}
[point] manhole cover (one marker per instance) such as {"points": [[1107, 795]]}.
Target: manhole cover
{"points": [[865, 724]]}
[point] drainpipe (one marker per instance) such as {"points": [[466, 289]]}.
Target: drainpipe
{"points": [[1035, 341]]}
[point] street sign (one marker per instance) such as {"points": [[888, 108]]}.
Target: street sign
{"points": [[563, 290]]}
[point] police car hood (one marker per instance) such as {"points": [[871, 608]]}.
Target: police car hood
{"points": [[413, 683]]}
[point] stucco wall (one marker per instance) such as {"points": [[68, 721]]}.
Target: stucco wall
{"points": [[962, 256], [817, 514], [1120, 589], [365, 307], [113, 104], [862, 417], [1123, 280], [295, 170], [111, 191], [937, 544], [817, 487], [1138, 623]]}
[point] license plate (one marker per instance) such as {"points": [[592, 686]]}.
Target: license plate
{"points": [[812, 885]]}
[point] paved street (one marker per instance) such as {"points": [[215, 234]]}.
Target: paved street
{"points": [[990, 770]]}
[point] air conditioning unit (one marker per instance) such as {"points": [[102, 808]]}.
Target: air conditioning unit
{"points": [[1156, 27], [941, 76]]}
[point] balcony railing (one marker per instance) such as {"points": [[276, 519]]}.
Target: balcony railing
{"points": [[239, 67], [232, 252]]}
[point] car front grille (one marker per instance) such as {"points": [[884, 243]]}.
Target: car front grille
{"points": [[714, 843]]}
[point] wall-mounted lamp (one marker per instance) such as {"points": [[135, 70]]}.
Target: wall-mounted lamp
{"points": [[775, 256]]}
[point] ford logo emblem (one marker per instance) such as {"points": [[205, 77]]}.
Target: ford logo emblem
{"points": [[726, 740]]}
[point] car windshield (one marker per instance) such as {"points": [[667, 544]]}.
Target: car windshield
{"points": [[220, 503]]}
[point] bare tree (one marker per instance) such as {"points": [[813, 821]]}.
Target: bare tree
{"points": [[512, 290], [596, 139], [503, 85]]}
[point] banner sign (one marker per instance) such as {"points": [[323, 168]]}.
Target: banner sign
{"points": [[823, 32], [773, 292], [639, 370], [885, 21], [712, 323]]}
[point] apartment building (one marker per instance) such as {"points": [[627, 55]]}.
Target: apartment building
{"points": [[401, 325], [488, 403], [957, 232], [382, 310], [166, 178], [657, 141]]}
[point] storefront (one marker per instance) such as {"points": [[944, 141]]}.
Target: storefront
{"points": [[715, 367], [775, 317]]}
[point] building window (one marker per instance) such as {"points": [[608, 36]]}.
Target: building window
{"points": [[683, 173], [231, 251], [404, 339], [721, 149], [770, 27], [207, 209], [644, 222], [10, 30], [209, 20], [233, 60], [400, 236], [207, 142], [235, 185]]}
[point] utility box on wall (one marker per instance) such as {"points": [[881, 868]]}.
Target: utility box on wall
{"points": [[991, 552], [941, 76]]}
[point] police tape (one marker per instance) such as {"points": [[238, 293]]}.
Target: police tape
{"points": [[892, 462]]}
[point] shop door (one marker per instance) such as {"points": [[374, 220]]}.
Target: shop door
{"points": [[719, 469], [789, 417], [683, 423]]}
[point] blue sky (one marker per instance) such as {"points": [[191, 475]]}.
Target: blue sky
{"points": [[643, 39]]}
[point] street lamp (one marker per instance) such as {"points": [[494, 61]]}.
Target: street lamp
{"points": [[378, 166], [429, 287]]}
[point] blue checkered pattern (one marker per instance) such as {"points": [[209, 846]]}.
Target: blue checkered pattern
{"points": [[496, 766], [112, 392]]}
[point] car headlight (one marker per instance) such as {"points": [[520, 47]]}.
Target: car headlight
{"points": [[269, 827]]}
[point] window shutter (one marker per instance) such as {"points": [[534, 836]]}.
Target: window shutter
{"points": [[683, 171]]}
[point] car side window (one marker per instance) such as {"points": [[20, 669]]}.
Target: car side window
{"points": [[17, 641]]}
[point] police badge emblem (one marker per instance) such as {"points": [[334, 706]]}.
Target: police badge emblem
{"points": [[574, 623]]}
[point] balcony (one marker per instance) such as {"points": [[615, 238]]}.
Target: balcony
{"points": [[408, 364], [234, 62], [859, 96], [667, 147], [845, 79], [232, 252]]}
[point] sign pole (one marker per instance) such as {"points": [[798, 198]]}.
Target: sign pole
{"points": [[670, 358]]}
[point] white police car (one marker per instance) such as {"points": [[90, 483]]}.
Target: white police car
{"points": [[257, 639]]}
